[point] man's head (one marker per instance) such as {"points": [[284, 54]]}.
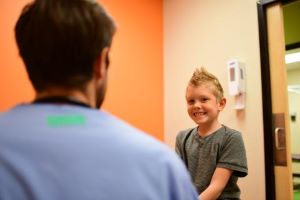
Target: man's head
{"points": [[60, 42]]}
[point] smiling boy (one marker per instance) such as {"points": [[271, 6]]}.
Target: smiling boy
{"points": [[213, 153]]}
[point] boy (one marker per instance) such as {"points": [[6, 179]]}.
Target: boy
{"points": [[213, 153]]}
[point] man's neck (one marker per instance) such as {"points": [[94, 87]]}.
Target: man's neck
{"points": [[76, 95]]}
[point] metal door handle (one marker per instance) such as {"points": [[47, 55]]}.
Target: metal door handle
{"points": [[277, 130]]}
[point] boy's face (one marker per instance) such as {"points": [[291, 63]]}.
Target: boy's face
{"points": [[202, 105]]}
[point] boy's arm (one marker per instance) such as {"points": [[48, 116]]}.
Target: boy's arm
{"points": [[217, 184]]}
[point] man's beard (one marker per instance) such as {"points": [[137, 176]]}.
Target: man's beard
{"points": [[100, 94], [101, 90]]}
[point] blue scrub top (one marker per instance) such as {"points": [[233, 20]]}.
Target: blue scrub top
{"points": [[53, 152]]}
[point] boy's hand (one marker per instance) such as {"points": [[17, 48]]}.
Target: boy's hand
{"points": [[217, 184]]}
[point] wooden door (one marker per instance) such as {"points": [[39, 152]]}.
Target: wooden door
{"points": [[275, 101], [278, 78]]}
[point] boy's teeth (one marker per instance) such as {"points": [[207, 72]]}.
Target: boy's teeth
{"points": [[199, 113]]}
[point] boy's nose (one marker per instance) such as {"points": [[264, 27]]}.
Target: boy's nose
{"points": [[198, 104]]}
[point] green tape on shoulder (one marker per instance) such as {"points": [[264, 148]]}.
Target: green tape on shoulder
{"points": [[66, 120]]}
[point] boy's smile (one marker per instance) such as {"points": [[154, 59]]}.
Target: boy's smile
{"points": [[203, 106], [199, 114]]}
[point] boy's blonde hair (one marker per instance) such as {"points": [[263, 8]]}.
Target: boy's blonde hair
{"points": [[202, 76]]}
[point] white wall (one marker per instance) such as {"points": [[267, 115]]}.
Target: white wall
{"points": [[294, 99], [209, 33]]}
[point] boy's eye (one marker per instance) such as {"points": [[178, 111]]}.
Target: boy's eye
{"points": [[204, 99], [191, 101]]}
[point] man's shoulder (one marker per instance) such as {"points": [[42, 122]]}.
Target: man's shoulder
{"points": [[121, 133]]}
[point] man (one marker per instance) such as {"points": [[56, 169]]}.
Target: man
{"points": [[61, 146]]}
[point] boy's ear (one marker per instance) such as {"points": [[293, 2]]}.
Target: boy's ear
{"points": [[222, 103], [101, 64]]}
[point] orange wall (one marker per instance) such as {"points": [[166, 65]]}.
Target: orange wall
{"points": [[135, 91], [14, 84]]}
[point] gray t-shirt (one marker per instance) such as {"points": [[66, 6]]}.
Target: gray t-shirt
{"points": [[202, 155]]}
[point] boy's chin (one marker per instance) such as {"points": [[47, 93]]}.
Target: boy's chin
{"points": [[200, 123]]}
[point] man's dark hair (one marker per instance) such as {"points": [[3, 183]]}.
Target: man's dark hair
{"points": [[59, 41]]}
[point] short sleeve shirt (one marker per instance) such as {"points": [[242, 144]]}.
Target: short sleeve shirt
{"points": [[202, 155], [57, 151]]}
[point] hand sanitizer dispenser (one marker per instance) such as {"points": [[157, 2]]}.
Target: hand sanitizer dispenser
{"points": [[236, 82]]}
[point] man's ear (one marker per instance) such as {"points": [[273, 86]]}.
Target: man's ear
{"points": [[101, 64]]}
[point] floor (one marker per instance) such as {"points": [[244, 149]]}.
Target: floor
{"points": [[296, 194]]}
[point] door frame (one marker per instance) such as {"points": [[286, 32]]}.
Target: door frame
{"points": [[269, 152]]}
